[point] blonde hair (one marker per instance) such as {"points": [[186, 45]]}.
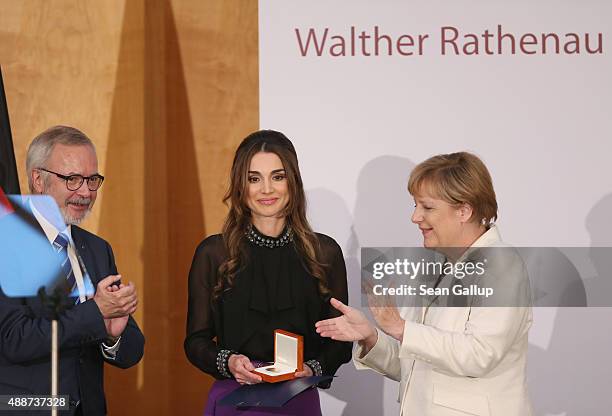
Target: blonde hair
{"points": [[457, 178]]}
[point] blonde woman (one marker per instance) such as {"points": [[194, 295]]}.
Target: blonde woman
{"points": [[450, 361]]}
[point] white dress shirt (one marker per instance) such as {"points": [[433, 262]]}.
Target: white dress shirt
{"points": [[50, 227]]}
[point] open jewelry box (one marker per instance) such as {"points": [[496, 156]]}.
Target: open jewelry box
{"points": [[288, 358]]}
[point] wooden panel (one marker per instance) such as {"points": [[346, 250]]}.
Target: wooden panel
{"points": [[122, 221], [59, 60], [211, 97], [218, 42]]}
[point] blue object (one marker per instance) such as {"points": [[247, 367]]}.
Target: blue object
{"points": [[270, 394], [27, 259]]}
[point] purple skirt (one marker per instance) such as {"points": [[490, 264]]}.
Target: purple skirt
{"points": [[304, 404]]}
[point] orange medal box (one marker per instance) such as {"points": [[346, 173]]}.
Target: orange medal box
{"points": [[288, 358]]}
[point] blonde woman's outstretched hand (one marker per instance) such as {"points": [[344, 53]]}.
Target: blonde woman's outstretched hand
{"points": [[351, 326]]}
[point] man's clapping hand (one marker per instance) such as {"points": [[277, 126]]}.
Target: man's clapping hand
{"points": [[113, 302]]}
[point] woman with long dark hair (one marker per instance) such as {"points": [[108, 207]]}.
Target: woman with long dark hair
{"points": [[267, 270]]}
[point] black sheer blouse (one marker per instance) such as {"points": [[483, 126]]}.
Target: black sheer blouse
{"points": [[274, 291]]}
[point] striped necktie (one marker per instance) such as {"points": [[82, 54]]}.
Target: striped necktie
{"points": [[60, 244]]}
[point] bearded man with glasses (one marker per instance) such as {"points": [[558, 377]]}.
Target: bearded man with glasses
{"points": [[62, 163]]}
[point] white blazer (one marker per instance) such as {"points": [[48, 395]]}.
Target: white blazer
{"points": [[460, 360]]}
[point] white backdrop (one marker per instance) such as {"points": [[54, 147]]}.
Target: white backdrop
{"points": [[541, 122]]}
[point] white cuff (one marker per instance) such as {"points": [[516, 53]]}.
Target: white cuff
{"points": [[110, 352]]}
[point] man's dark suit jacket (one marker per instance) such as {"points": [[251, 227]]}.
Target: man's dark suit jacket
{"points": [[25, 339]]}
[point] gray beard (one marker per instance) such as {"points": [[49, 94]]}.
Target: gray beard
{"points": [[69, 220]]}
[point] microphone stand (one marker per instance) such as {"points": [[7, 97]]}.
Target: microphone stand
{"points": [[56, 303]]}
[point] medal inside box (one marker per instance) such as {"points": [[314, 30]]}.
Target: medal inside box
{"points": [[288, 358]]}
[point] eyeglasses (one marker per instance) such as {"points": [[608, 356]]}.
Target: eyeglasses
{"points": [[74, 182]]}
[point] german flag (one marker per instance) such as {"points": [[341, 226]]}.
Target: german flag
{"points": [[9, 181], [5, 205]]}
